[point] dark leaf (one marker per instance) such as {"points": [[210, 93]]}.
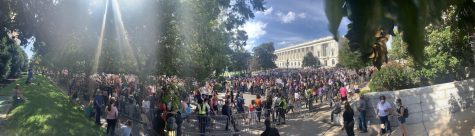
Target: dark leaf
{"points": [[334, 11]]}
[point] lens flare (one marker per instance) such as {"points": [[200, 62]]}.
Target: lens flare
{"points": [[100, 41]]}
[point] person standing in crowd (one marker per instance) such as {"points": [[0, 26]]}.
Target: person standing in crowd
{"points": [[297, 100], [98, 104], [282, 109], [348, 121], [252, 111], [240, 103], [159, 122], [336, 108], [112, 115], [172, 111], [270, 131], [228, 112], [30, 76], [401, 117], [275, 106], [202, 111], [343, 93], [126, 129], [308, 95], [362, 126], [258, 107], [383, 109], [214, 102]]}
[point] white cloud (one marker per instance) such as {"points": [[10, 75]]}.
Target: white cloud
{"points": [[302, 15], [254, 29], [250, 45], [287, 18], [290, 16], [266, 12]]}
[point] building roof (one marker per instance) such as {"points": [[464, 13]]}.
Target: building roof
{"points": [[323, 39]]}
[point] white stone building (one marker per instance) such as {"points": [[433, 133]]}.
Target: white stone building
{"points": [[324, 49]]}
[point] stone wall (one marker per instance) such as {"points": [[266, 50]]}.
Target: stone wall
{"points": [[426, 103]]}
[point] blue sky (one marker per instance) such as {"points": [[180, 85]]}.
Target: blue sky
{"points": [[28, 50], [288, 22]]}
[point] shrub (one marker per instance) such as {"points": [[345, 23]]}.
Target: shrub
{"points": [[392, 76]]}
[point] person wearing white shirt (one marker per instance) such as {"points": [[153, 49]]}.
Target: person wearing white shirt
{"points": [[146, 105], [383, 112]]}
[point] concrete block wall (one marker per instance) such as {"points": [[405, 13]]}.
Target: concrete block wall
{"points": [[426, 103]]}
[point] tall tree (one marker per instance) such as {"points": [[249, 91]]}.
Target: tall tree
{"points": [[398, 49], [309, 60], [348, 58], [240, 60], [264, 56]]}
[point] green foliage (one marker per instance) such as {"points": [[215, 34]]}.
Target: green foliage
{"points": [[19, 61], [189, 38], [446, 56], [392, 76], [46, 110], [309, 60], [240, 60], [447, 53], [373, 20], [5, 57], [398, 49], [264, 57], [348, 58]]}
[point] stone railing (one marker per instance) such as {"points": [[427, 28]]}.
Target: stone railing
{"points": [[427, 103]]}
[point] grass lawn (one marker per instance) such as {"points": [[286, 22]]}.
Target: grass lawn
{"points": [[47, 112]]}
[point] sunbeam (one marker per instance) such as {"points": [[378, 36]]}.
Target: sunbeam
{"points": [[122, 33], [100, 41]]}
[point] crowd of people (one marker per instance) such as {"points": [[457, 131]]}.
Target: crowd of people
{"points": [[160, 105]]}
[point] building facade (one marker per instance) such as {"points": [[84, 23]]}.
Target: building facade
{"points": [[324, 49]]}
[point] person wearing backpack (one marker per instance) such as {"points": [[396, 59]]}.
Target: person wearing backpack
{"points": [[403, 113]]}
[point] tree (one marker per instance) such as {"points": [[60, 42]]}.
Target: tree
{"points": [[373, 21], [240, 60], [264, 56], [309, 60], [187, 38], [5, 57], [398, 49], [348, 58], [446, 54], [19, 61]]}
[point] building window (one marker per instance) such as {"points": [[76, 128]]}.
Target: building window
{"points": [[324, 49], [318, 53], [333, 61], [332, 52], [326, 64]]}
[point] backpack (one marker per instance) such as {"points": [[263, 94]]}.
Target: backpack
{"points": [[406, 112]]}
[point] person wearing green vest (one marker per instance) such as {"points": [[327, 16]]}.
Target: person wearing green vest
{"points": [[308, 94], [282, 109], [202, 111]]}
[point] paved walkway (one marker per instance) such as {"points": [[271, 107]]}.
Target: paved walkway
{"points": [[5, 104]]}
